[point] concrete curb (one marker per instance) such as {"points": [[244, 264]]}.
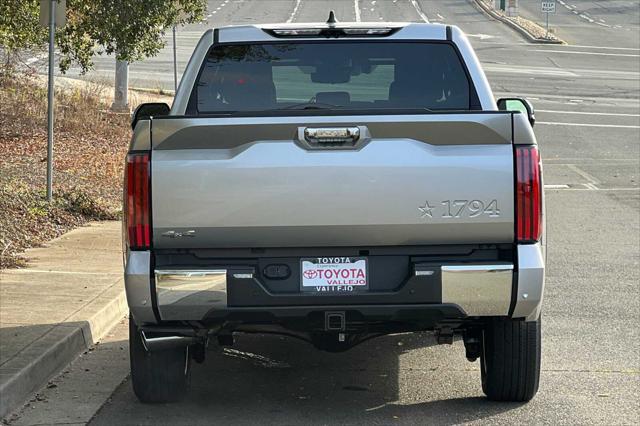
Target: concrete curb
{"points": [[68, 341], [519, 29]]}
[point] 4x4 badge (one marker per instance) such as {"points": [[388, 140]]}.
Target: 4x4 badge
{"points": [[174, 234]]}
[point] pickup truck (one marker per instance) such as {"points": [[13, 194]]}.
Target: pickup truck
{"points": [[334, 182]]}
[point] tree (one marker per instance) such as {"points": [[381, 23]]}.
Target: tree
{"points": [[130, 29]]}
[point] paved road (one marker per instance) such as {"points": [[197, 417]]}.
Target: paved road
{"points": [[590, 22], [588, 109]]}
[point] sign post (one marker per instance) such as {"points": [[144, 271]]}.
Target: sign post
{"points": [[175, 63], [52, 14], [548, 7]]}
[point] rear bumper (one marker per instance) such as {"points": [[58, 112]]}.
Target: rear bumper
{"points": [[444, 291]]}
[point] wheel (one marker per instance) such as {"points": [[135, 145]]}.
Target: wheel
{"points": [[510, 359], [158, 376]]}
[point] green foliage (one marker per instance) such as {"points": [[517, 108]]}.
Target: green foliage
{"points": [[130, 29], [19, 25]]}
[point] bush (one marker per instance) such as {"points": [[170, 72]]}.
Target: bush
{"points": [[89, 151]]}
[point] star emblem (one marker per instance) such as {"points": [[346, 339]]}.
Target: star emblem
{"points": [[426, 210]]}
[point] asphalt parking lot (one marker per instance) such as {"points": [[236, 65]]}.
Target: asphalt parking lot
{"points": [[587, 96]]}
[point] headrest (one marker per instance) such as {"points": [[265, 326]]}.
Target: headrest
{"points": [[248, 90]]}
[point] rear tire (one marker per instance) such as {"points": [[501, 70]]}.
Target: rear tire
{"points": [[158, 376], [510, 359]]}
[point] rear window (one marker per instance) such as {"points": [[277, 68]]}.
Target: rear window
{"points": [[332, 76]]}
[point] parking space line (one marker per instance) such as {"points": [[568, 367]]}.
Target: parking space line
{"points": [[295, 11], [418, 9], [613, 114], [578, 52], [589, 178], [356, 7], [586, 46], [612, 126], [587, 188]]}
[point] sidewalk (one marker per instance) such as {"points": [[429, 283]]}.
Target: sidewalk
{"points": [[67, 298]]}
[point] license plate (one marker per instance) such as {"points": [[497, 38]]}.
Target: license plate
{"points": [[334, 275]]}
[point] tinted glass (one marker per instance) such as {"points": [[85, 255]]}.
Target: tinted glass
{"points": [[332, 75]]}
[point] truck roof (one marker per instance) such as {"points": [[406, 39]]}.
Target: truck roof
{"points": [[317, 30]]}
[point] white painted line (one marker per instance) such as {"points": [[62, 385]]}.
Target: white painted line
{"points": [[568, 47], [584, 160], [586, 17], [561, 186], [583, 46], [533, 71], [577, 52], [601, 189], [588, 113], [356, 8], [586, 176], [591, 186], [611, 126], [626, 101], [481, 36], [418, 9], [440, 17], [295, 11]]}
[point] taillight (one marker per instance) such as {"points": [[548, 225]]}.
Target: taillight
{"points": [[528, 194], [137, 202]]}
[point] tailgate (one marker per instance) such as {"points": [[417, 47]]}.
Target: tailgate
{"points": [[267, 182]]}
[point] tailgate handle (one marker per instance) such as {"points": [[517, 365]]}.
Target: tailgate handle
{"points": [[332, 135]]}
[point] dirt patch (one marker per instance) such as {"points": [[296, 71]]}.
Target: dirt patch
{"points": [[89, 149]]}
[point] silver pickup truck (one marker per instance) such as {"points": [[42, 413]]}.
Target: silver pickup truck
{"points": [[334, 182]]}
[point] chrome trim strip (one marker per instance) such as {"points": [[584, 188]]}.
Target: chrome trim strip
{"points": [[477, 268], [479, 289], [190, 294], [190, 273]]}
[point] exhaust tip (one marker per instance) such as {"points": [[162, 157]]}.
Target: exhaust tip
{"points": [[157, 343]]}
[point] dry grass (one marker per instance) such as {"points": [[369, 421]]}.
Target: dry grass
{"points": [[89, 149]]}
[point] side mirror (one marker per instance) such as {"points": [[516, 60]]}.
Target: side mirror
{"points": [[518, 104], [152, 109]]}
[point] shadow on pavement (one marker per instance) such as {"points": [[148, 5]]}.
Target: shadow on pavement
{"points": [[279, 380]]}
